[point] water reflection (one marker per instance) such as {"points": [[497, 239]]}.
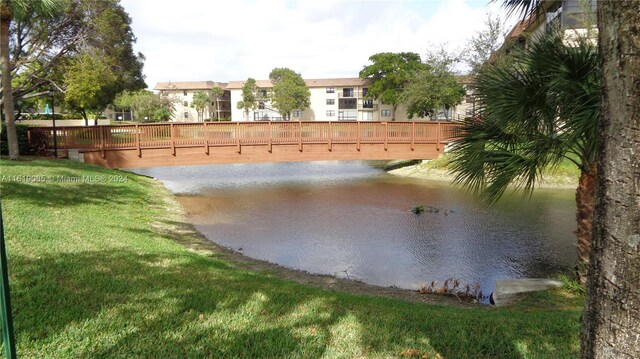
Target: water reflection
{"points": [[351, 218]]}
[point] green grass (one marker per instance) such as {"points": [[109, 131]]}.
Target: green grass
{"points": [[109, 269], [566, 173]]}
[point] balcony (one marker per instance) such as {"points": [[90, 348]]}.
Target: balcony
{"points": [[367, 106], [351, 94]]}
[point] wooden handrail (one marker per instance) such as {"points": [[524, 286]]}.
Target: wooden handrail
{"points": [[330, 133]]}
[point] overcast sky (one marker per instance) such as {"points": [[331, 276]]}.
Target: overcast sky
{"points": [[197, 40]]}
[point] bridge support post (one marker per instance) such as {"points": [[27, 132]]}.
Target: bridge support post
{"points": [[205, 134], [239, 150], [102, 140], [138, 141], [386, 135], [270, 138], [438, 136], [358, 137], [413, 135], [330, 130], [300, 136]]}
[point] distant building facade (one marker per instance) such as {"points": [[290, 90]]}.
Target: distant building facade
{"points": [[570, 17], [336, 99], [181, 94]]}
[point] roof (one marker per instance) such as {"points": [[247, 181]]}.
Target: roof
{"points": [[336, 82], [189, 85]]}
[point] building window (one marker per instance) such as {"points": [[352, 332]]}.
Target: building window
{"points": [[260, 105], [331, 101], [213, 103], [364, 91], [385, 113], [347, 92], [184, 92], [186, 103], [262, 93], [297, 113], [331, 90], [331, 113], [186, 114]]}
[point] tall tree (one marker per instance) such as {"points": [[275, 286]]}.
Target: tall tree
{"points": [[42, 48], [217, 92], [611, 316], [611, 319], [90, 86], [290, 92], [538, 109], [10, 10], [249, 99], [484, 43], [431, 90], [200, 102], [389, 73]]}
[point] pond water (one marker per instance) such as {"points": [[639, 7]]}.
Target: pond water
{"points": [[352, 219]]}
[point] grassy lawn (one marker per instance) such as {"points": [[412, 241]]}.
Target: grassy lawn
{"points": [[564, 175], [105, 268]]}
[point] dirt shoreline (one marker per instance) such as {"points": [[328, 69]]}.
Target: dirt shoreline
{"points": [[184, 233]]}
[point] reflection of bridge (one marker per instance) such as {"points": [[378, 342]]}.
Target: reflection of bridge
{"points": [[131, 146]]}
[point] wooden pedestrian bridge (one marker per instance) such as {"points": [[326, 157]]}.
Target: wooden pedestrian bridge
{"points": [[173, 144]]}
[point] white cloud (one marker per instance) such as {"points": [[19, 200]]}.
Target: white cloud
{"points": [[192, 40]]}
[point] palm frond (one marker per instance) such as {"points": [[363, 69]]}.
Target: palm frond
{"points": [[537, 109]]}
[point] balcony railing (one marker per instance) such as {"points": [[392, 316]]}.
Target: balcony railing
{"points": [[352, 94], [368, 106]]}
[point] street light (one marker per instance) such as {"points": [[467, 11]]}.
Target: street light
{"points": [[52, 91]]}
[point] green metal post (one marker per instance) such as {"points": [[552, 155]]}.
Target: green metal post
{"points": [[5, 299]]}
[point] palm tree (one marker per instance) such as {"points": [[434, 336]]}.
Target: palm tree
{"points": [[10, 10], [217, 91], [537, 109]]}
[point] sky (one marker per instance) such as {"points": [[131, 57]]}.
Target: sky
{"points": [[199, 40]]}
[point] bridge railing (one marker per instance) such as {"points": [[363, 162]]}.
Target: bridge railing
{"points": [[242, 133]]}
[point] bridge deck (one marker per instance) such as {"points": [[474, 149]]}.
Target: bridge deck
{"points": [[127, 146]]}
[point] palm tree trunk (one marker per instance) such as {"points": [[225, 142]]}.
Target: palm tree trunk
{"points": [[611, 318], [585, 203], [7, 90]]}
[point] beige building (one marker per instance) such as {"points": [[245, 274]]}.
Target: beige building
{"points": [[338, 99], [181, 94]]}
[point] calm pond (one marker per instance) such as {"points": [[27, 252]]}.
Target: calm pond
{"points": [[352, 219]]}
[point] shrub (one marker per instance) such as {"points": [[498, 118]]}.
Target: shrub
{"points": [[24, 146]]}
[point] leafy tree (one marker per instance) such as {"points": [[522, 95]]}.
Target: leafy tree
{"points": [[200, 103], [249, 99], [432, 89], [217, 92], [42, 48], [289, 91], [537, 109], [389, 74], [10, 10], [90, 86], [145, 105], [484, 43]]}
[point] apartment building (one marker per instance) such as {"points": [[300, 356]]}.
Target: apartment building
{"points": [[181, 94], [336, 99], [571, 17]]}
